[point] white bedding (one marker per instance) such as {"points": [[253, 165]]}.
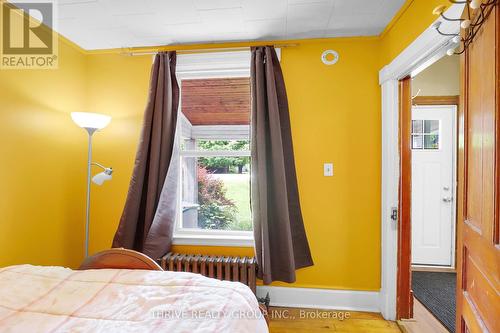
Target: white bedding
{"points": [[57, 299]]}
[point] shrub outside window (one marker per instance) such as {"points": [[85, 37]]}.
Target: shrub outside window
{"points": [[215, 188]]}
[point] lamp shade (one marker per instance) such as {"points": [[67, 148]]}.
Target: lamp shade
{"points": [[101, 177], [90, 120]]}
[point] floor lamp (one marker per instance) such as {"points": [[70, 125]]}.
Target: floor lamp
{"points": [[92, 122]]}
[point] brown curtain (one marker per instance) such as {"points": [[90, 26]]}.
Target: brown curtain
{"points": [[147, 221], [280, 240]]}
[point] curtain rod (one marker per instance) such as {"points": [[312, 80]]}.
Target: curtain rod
{"points": [[206, 50]]}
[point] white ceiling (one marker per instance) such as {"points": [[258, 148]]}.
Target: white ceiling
{"points": [[102, 24]]}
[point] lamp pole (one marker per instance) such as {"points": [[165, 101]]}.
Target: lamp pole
{"points": [[91, 122], [90, 131]]}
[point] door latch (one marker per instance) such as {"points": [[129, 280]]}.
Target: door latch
{"points": [[394, 214]]}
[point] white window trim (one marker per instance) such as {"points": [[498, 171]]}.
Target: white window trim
{"points": [[204, 66], [225, 238], [215, 64], [215, 153], [212, 132]]}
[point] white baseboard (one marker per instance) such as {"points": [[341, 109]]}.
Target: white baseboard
{"points": [[327, 299]]}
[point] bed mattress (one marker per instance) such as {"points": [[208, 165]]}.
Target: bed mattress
{"points": [[57, 299]]}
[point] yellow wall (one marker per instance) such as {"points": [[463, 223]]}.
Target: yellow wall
{"points": [[335, 117], [442, 78], [42, 166], [117, 86], [335, 114], [415, 17]]}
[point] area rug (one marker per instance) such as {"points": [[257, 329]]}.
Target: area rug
{"points": [[436, 291]]}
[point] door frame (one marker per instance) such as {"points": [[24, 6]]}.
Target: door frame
{"points": [[404, 305], [425, 50]]}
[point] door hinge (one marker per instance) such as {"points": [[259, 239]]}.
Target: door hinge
{"points": [[394, 214]]}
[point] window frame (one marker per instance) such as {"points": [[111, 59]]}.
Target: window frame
{"points": [[423, 134], [206, 66]]}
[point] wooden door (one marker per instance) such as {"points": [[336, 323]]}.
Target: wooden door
{"points": [[478, 284]]}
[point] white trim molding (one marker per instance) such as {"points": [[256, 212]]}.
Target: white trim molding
{"points": [[426, 49], [215, 64], [213, 240], [225, 132], [390, 185], [429, 44], [327, 299]]}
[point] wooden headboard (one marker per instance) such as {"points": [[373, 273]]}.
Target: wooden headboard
{"points": [[120, 259]]}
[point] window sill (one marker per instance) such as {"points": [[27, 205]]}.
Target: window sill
{"points": [[213, 240]]}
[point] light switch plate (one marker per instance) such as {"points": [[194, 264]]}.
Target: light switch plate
{"points": [[328, 169]]}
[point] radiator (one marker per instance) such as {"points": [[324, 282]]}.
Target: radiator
{"points": [[241, 269]]}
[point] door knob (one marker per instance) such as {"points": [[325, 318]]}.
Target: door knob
{"points": [[447, 199]]}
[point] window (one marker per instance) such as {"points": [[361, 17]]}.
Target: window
{"points": [[425, 134], [215, 185], [214, 127]]}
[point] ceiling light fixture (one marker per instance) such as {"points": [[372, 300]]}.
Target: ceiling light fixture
{"points": [[470, 26]]}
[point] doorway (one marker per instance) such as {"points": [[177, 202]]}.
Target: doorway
{"points": [[433, 213], [430, 192]]}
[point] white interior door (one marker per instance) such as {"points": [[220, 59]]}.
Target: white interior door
{"points": [[433, 185]]}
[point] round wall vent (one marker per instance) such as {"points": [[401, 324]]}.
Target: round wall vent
{"points": [[330, 57]]}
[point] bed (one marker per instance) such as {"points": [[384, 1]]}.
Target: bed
{"points": [[123, 291]]}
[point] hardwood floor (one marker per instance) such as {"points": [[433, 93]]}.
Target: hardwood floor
{"points": [[290, 320], [423, 321]]}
